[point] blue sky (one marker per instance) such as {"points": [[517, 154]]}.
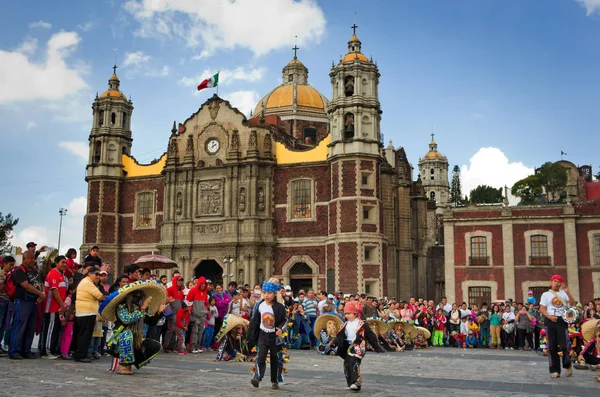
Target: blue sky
{"points": [[505, 86]]}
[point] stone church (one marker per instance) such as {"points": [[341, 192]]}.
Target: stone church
{"points": [[303, 190]]}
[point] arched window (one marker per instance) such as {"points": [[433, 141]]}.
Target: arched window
{"points": [[348, 126], [349, 85], [300, 268], [113, 118], [310, 135], [97, 153], [125, 150], [124, 120], [301, 199], [101, 118], [539, 250], [432, 196]]}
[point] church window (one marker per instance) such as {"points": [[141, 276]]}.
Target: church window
{"points": [[145, 209], [368, 213], [291, 78], [432, 196], [348, 126], [349, 85], [369, 253], [539, 250], [310, 135], [124, 120], [479, 256], [432, 171], [302, 199], [97, 153], [101, 118], [113, 118], [365, 178], [596, 249]]}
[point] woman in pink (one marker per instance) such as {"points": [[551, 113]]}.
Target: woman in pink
{"points": [[406, 313], [67, 325]]}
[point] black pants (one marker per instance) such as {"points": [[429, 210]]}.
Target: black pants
{"points": [[352, 370], [154, 332], [267, 344], [85, 329], [557, 337], [591, 359], [218, 325], [536, 338], [50, 336], [508, 340], [521, 336]]}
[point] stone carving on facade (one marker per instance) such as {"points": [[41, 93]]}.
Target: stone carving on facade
{"points": [[242, 200], [235, 141], [210, 196], [179, 203], [209, 229], [252, 141], [261, 199], [268, 145], [261, 276], [189, 150], [213, 108], [173, 148], [348, 125], [241, 276]]}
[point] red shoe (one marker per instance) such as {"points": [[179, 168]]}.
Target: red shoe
{"points": [[183, 353]]}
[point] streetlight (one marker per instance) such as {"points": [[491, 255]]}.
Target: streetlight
{"points": [[228, 260], [62, 212]]}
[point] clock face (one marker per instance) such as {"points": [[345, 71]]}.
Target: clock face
{"points": [[212, 146]]}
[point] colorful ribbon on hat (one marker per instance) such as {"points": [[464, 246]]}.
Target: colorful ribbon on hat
{"points": [[270, 286]]}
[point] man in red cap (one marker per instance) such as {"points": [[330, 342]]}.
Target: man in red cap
{"points": [[552, 306]]}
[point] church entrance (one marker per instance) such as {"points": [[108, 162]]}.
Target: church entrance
{"points": [[301, 277], [211, 270]]}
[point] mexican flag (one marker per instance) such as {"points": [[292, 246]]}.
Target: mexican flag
{"points": [[210, 82]]}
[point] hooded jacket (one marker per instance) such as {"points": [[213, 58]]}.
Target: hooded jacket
{"points": [[175, 293], [199, 297]]}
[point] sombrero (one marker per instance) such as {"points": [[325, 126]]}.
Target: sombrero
{"points": [[425, 331], [406, 326], [108, 309], [377, 324], [321, 322], [230, 322], [588, 329]]}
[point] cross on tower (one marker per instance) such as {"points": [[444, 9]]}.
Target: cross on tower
{"points": [[354, 28], [432, 135], [115, 69], [296, 48]]}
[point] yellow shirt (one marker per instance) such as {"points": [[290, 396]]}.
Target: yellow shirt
{"points": [[473, 326], [88, 296]]}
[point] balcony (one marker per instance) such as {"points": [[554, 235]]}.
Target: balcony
{"points": [[540, 261], [479, 261]]}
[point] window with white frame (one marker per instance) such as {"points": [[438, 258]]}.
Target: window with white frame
{"points": [[595, 260], [145, 210], [301, 193], [539, 250], [479, 255]]}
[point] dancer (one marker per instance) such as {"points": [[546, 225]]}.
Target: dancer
{"points": [[351, 342], [127, 307], [326, 328], [267, 327], [233, 346]]}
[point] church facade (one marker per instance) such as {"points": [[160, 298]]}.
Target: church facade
{"points": [[303, 190]]}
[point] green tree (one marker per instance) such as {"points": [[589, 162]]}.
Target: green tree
{"points": [[455, 190], [553, 178], [527, 189], [484, 194], [7, 224]]}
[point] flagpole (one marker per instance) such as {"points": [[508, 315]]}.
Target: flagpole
{"points": [[218, 85]]}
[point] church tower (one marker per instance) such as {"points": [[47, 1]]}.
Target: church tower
{"points": [[357, 233], [110, 138], [433, 169]]}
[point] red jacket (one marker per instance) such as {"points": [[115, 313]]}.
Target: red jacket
{"points": [[173, 291], [199, 293], [440, 322], [182, 318]]}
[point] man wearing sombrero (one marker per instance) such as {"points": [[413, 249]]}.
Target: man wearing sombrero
{"points": [[552, 306]]}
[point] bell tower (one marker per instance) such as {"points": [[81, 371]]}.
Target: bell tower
{"points": [[110, 136]]}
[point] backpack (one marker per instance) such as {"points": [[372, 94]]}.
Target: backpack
{"points": [[9, 285]]}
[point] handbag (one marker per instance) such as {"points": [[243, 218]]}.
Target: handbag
{"points": [[509, 328]]}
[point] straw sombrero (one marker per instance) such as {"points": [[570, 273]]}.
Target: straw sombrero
{"points": [[406, 326], [588, 329], [230, 322], [378, 324], [108, 309], [425, 331], [321, 323]]}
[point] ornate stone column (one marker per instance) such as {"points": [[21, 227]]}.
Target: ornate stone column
{"points": [[252, 275]]}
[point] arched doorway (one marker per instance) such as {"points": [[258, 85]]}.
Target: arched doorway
{"points": [[301, 277], [210, 269]]}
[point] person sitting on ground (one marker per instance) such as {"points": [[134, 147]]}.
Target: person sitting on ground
{"points": [[472, 340]]}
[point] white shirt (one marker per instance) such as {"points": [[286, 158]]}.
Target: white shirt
{"points": [[464, 327], [508, 316], [321, 305], [235, 308], [267, 318], [351, 329], [554, 305]]}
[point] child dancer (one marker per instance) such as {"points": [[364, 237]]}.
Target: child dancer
{"points": [[351, 342], [268, 324]]}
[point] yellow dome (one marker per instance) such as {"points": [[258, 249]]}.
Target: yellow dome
{"points": [[354, 38], [282, 98], [113, 77], [113, 94], [433, 156], [295, 62], [353, 56]]}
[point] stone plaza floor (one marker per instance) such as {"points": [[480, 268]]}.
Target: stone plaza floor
{"points": [[433, 372]]}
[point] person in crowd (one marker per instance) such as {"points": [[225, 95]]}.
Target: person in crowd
{"points": [[455, 316], [406, 313], [6, 306], [301, 328], [496, 327], [310, 310], [122, 281], [86, 309], [472, 341], [31, 248], [182, 322], [55, 288], [524, 322], [209, 330], [92, 257], [508, 328], [28, 294], [445, 306], [369, 307], [439, 328], [472, 325], [322, 301], [146, 274], [198, 296], [267, 327], [552, 305], [66, 321], [483, 319], [222, 302], [531, 298], [71, 266], [103, 284], [235, 304], [175, 298], [163, 279], [232, 286], [288, 297]]}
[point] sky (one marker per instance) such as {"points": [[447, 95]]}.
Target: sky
{"points": [[504, 85]]}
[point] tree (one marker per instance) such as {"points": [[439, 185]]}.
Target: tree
{"points": [[484, 194], [7, 223], [553, 178], [527, 189], [455, 190]]}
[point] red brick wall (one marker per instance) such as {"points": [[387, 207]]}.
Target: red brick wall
{"points": [[367, 192], [367, 165], [558, 243], [349, 178], [284, 229], [91, 225], [537, 212], [129, 236], [130, 187], [590, 208], [477, 214], [348, 216], [462, 252], [333, 217], [107, 229], [583, 244], [109, 198], [334, 180], [369, 227], [484, 274], [283, 175], [348, 268], [283, 254], [370, 271], [94, 197]]}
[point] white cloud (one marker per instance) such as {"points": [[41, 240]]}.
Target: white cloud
{"points": [[591, 6], [227, 76], [30, 125], [135, 58], [50, 80], [79, 149], [28, 46], [40, 24], [38, 234], [139, 63], [243, 100], [78, 206], [218, 25], [490, 166], [86, 26]]}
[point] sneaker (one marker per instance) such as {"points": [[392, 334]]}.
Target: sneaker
{"points": [[50, 357], [354, 387], [16, 357], [201, 351], [195, 351], [569, 371], [507, 348], [555, 375], [512, 348], [183, 352], [275, 386], [255, 382]]}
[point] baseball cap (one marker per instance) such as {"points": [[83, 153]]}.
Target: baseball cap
{"points": [[208, 281], [287, 288], [102, 272], [31, 244], [95, 247], [330, 296]]}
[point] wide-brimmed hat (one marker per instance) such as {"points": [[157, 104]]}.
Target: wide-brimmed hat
{"points": [[230, 322], [588, 329], [425, 331], [321, 323], [406, 326], [378, 324], [108, 309]]}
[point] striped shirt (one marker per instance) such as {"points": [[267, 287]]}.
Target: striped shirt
{"points": [[310, 307]]}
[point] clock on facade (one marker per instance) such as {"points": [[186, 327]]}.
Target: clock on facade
{"points": [[212, 145]]}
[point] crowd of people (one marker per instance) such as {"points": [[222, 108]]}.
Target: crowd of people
{"points": [[62, 302]]}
